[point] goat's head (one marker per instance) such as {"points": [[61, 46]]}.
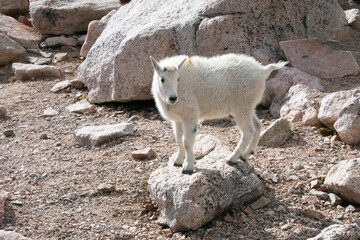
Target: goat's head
{"points": [[167, 79]]}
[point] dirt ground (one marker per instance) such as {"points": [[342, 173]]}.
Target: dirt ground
{"points": [[52, 181]]}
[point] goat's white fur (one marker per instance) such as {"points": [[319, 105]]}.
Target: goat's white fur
{"points": [[188, 89]]}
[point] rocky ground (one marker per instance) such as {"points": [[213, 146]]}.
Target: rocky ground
{"points": [[52, 182]]}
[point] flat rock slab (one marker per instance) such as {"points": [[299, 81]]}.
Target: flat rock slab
{"points": [[10, 50], [338, 232], [319, 59], [276, 134], [96, 135], [22, 34], [67, 16], [143, 154], [82, 106], [343, 179], [187, 202], [25, 71]]}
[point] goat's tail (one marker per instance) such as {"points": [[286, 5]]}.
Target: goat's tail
{"points": [[275, 66]]}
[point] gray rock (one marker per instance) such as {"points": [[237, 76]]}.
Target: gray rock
{"points": [[14, 7], [143, 154], [285, 78], [190, 201], [338, 232], [343, 179], [348, 123], [60, 41], [10, 51], [60, 86], [50, 112], [165, 28], [298, 103], [260, 203], [204, 144], [76, 84], [319, 194], [334, 199], [348, 4], [43, 61], [59, 57], [66, 16], [350, 208], [3, 198], [25, 71], [353, 18], [331, 106], [318, 59], [105, 188], [3, 111], [10, 235], [276, 134], [95, 135], [95, 29], [22, 34], [82, 106]]}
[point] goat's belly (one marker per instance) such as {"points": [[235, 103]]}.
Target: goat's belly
{"points": [[214, 112]]}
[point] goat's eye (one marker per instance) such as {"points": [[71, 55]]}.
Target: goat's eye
{"points": [[162, 80]]}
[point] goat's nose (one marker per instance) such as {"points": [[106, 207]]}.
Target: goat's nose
{"points": [[173, 99]]}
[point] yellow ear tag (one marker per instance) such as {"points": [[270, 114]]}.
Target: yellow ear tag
{"points": [[190, 61]]}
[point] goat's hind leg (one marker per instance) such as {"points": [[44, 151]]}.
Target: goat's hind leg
{"points": [[247, 129], [255, 138], [178, 131]]}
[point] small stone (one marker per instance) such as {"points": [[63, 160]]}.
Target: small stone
{"points": [[59, 57], [248, 210], [43, 61], [350, 208], [44, 136], [298, 166], [105, 188], [82, 106], [134, 118], [260, 203], [17, 202], [228, 218], [150, 207], [282, 209], [76, 84], [319, 194], [311, 213], [326, 132], [3, 111], [143, 154], [9, 133], [50, 112], [334, 199], [293, 177], [275, 178], [60, 86], [315, 183]]}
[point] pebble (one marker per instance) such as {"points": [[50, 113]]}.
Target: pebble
{"points": [[311, 213], [44, 136], [76, 84], [334, 199], [134, 118], [17, 202], [43, 61], [319, 194], [60, 86], [350, 208], [9, 133], [298, 166], [59, 57], [315, 183], [248, 210], [3, 111], [260, 203], [228, 218], [105, 188], [143, 154], [50, 112]]}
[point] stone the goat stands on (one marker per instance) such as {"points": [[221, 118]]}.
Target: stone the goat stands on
{"points": [[186, 90]]}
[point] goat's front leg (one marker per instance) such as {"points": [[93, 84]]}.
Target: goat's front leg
{"points": [[178, 131], [190, 129]]}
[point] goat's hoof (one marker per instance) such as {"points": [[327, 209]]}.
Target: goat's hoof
{"points": [[177, 165], [189, 172], [243, 159], [231, 163]]}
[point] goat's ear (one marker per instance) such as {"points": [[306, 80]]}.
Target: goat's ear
{"points": [[181, 63], [156, 65]]}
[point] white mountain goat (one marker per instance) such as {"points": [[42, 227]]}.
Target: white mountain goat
{"points": [[188, 89]]}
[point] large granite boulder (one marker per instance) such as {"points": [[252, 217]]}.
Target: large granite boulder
{"points": [[22, 34], [343, 179], [117, 68], [339, 232], [187, 202], [67, 16], [14, 7], [320, 58], [10, 50]]}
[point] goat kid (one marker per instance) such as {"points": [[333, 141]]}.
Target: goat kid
{"points": [[188, 89]]}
